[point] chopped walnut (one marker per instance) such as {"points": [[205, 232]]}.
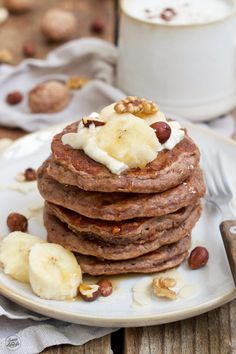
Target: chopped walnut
{"points": [[137, 106], [161, 288], [77, 82], [6, 56]]}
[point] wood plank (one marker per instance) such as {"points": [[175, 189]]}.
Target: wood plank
{"points": [[210, 333], [22, 28], [96, 346]]}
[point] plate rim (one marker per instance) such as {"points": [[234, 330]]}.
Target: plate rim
{"points": [[135, 320]]}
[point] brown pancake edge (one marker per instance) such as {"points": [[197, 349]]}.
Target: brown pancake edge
{"points": [[170, 168], [120, 206], [123, 232], [58, 232], [164, 258]]}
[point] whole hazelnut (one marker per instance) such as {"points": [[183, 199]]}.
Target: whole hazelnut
{"points": [[98, 26], [198, 257], [19, 6], [29, 50], [30, 174], [49, 97], [58, 25], [89, 292], [105, 287], [163, 131], [17, 222], [14, 98]]}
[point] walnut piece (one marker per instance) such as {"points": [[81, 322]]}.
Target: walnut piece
{"points": [[77, 82], [137, 106], [161, 288], [6, 57]]}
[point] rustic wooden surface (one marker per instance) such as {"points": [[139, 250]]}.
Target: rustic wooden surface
{"points": [[211, 333]]}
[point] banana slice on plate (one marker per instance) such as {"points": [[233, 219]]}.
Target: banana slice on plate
{"points": [[54, 272], [14, 254]]}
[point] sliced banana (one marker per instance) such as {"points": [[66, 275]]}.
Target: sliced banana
{"points": [[54, 272], [107, 112], [14, 254], [128, 139]]}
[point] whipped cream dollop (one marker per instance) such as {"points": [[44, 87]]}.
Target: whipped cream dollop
{"points": [[124, 141]]}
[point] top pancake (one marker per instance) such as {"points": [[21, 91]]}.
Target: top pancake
{"points": [[169, 169]]}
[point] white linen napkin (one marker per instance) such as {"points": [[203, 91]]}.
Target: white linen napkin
{"points": [[20, 329]]}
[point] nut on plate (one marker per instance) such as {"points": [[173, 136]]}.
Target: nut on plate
{"points": [[161, 288], [87, 121], [30, 174], [105, 287], [14, 98], [77, 82], [17, 222], [89, 292], [137, 106], [162, 130], [198, 257]]}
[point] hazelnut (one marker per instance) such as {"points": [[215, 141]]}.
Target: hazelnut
{"points": [[49, 97], [17, 222], [29, 50], [18, 6], [105, 287], [198, 258], [30, 174], [58, 25], [167, 14], [163, 131], [89, 292], [87, 122], [14, 98], [98, 26]]}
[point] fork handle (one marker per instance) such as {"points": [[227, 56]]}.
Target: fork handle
{"points": [[228, 233]]}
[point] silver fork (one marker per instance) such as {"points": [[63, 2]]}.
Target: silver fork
{"points": [[219, 193]]}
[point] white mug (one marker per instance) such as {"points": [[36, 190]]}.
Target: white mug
{"points": [[189, 70]]}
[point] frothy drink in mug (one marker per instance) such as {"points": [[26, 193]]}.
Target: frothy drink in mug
{"points": [[180, 53], [181, 12]]}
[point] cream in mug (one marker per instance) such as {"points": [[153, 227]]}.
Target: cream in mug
{"points": [[178, 12]]}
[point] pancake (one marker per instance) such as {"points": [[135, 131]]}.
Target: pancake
{"points": [[164, 258], [120, 206], [58, 232], [169, 169], [123, 232]]}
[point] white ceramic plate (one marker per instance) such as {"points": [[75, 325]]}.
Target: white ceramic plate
{"points": [[213, 285]]}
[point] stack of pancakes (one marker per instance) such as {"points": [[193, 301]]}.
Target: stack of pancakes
{"points": [[139, 221]]}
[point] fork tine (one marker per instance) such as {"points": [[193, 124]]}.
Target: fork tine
{"points": [[210, 182], [224, 179]]}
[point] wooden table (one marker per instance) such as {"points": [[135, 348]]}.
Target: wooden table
{"points": [[211, 333]]}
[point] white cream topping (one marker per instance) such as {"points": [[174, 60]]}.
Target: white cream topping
{"points": [[125, 141]]}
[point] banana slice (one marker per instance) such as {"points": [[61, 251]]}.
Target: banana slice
{"points": [[107, 112], [128, 139], [54, 272], [14, 254]]}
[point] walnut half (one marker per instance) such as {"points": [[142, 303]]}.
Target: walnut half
{"points": [[161, 288], [137, 106]]}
